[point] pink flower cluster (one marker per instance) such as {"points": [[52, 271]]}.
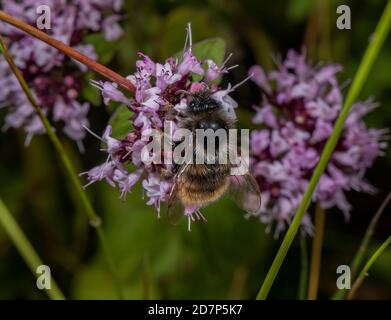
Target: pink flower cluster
{"points": [[160, 90], [54, 79], [299, 107]]}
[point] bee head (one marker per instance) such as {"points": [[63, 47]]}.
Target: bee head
{"points": [[210, 124]]}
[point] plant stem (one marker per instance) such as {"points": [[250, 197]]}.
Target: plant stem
{"points": [[325, 37], [93, 65], [357, 261], [370, 55], [238, 283], [84, 201], [301, 295], [360, 255], [317, 35], [316, 253], [364, 271], [25, 249]]}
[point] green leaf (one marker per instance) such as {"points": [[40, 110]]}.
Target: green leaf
{"points": [[120, 122], [213, 49], [173, 31]]}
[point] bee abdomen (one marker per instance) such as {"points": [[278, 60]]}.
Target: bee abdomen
{"points": [[201, 183]]}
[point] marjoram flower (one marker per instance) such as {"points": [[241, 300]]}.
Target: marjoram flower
{"points": [[161, 88], [300, 104]]}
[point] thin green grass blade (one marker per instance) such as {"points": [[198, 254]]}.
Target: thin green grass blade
{"points": [[25, 248], [71, 173], [364, 271]]}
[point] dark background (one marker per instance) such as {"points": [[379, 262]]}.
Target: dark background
{"points": [[227, 257]]}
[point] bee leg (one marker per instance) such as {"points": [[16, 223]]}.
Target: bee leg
{"points": [[168, 107], [170, 112]]}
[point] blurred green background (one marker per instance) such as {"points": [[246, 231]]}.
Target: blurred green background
{"points": [[227, 257]]}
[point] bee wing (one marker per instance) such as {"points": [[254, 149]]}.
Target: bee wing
{"points": [[175, 207], [245, 192]]}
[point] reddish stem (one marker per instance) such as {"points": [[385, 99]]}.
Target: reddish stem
{"points": [[67, 50]]}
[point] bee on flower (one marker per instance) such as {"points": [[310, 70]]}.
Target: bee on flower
{"points": [[168, 92]]}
